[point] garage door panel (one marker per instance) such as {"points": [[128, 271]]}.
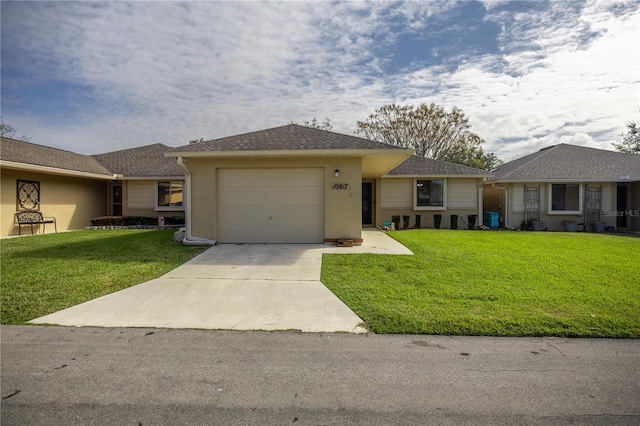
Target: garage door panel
{"points": [[277, 215], [270, 177], [293, 196], [271, 205], [289, 234]]}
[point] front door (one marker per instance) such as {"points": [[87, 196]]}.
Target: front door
{"points": [[622, 206], [367, 203], [116, 199]]}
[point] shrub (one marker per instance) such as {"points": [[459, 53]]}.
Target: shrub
{"points": [[135, 221], [454, 221], [437, 218], [418, 220], [405, 221], [396, 220], [472, 220]]}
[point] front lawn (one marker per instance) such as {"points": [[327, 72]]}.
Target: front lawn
{"points": [[42, 274], [495, 283]]}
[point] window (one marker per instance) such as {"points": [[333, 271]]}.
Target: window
{"points": [[565, 198], [169, 195], [429, 195]]}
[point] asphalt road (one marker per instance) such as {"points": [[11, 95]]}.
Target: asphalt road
{"points": [[100, 376]]}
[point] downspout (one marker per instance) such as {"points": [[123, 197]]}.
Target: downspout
{"points": [[189, 239], [506, 204]]}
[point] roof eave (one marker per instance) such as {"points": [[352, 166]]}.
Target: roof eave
{"points": [[155, 177], [288, 153], [417, 176], [55, 170], [576, 180]]}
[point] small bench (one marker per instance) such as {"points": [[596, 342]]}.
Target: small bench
{"points": [[34, 218]]}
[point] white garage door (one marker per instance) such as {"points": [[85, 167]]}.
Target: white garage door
{"points": [[271, 206]]}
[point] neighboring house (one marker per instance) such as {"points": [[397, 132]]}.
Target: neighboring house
{"points": [[289, 184], [426, 187], [71, 187], [147, 183], [76, 188], [295, 184], [568, 183]]}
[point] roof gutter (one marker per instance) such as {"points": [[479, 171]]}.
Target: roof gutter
{"points": [[55, 170], [289, 153], [189, 239]]}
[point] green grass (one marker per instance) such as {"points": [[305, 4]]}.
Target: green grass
{"points": [[45, 273], [495, 283]]}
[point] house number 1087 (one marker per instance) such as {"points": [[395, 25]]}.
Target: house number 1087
{"points": [[340, 186]]}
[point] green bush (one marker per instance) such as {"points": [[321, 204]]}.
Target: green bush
{"points": [[437, 218], [454, 221], [396, 220], [135, 221], [405, 221], [472, 218]]}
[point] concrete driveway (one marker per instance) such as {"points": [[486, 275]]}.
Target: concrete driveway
{"points": [[233, 287]]}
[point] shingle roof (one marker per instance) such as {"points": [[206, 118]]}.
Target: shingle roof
{"points": [[421, 166], [144, 161], [571, 162], [285, 138], [29, 153]]}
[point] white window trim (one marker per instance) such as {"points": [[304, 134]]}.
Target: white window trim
{"points": [[565, 212], [432, 208], [169, 208]]}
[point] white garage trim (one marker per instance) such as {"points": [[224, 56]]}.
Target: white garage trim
{"points": [[271, 205]]}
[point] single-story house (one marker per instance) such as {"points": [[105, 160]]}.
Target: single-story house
{"points": [[68, 186], [76, 188], [566, 183], [296, 184], [290, 184], [146, 182]]}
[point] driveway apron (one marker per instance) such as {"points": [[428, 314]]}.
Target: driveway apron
{"points": [[235, 287]]}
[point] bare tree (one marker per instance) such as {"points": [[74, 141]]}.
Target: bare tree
{"points": [[325, 125], [8, 131]]}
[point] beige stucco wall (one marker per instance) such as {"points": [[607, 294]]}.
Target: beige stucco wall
{"points": [[394, 196], [72, 201], [553, 222], [342, 208], [138, 199]]}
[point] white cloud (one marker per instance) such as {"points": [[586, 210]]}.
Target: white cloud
{"points": [[170, 72], [563, 93]]}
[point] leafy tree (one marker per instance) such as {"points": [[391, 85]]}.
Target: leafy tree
{"points": [[192, 141], [431, 131], [473, 157], [630, 142], [7, 131]]}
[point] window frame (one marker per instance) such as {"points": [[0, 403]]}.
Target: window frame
{"points": [[170, 208], [550, 209], [432, 208]]}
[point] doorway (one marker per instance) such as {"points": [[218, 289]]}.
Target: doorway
{"points": [[367, 203], [116, 199], [622, 205]]}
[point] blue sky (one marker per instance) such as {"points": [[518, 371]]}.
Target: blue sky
{"points": [[93, 77]]}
